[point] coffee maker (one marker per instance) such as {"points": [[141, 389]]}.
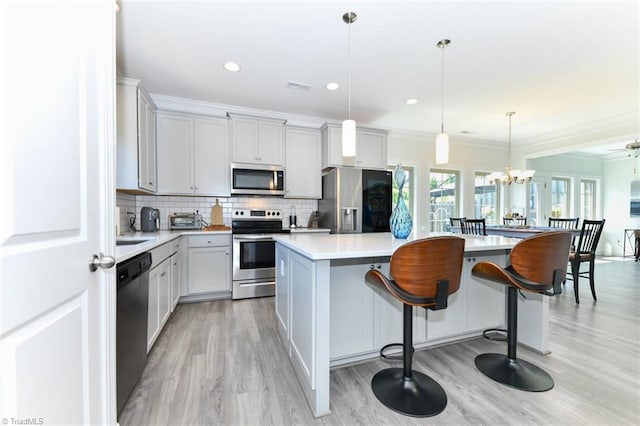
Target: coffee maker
{"points": [[149, 219]]}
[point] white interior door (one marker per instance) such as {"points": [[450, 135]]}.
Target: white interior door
{"points": [[538, 202], [57, 318]]}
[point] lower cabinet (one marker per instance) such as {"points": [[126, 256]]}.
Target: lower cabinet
{"points": [[176, 272], [476, 306], [209, 265], [159, 300]]}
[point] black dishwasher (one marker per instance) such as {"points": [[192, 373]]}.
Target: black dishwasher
{"points": [[131, 324]]}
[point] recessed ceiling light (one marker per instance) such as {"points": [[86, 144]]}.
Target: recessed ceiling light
{"points": [[333, 86], [232, 66], [411, 101]]}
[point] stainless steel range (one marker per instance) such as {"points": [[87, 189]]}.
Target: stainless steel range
{"points": [[254, 252]]}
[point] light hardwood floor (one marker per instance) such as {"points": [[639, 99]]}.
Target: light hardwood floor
{"points": [[221, 363]]}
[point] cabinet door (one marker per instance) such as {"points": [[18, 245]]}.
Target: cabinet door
{"points": [[303, 177], [351, 310], [153, 319], [371, 151], [453, 319], [245, 140], [175, 154], [146, 145], [209, 269], [282, 290], [211, 161], [270, 142], [176, 271], [486, 300], [332, 147], [164, 292], [147, 154]]}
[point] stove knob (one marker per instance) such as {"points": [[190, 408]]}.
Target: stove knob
{"points": [[278, 213]]}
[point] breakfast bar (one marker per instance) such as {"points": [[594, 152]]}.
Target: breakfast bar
{"points": [[328, 316]]}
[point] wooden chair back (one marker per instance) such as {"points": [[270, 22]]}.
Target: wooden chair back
{"points": [[474, 227], [589, 236], [416, 267], [457, 222], [564, 223], [519, 220]]}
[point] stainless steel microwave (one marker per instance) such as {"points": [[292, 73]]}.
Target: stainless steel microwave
{"points": [[249, 179]]}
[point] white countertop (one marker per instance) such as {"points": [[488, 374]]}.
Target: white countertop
{"points": [[305, 230], [154, 239], [351, 246]]}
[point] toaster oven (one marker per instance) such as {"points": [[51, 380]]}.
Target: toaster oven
{"points": [[185, 221]]}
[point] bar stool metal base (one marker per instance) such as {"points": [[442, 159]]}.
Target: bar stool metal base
{"points": [[516, 373], [420, 396]]}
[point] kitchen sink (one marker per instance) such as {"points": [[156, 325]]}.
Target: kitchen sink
{"points": [[129, 242]]}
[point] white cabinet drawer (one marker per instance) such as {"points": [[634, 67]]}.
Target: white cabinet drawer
{"points": [[209, 240], [174, 245], [160, 253]]}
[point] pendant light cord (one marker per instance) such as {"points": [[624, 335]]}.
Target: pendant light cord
{"points": [[442, 92], [349, 68]]}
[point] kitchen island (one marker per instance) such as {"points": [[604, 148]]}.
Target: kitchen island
{"points": [[327, 315]]}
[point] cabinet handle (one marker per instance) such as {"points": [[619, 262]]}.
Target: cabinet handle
{"points": [[163, 274], [191, 187], [150, 183], [175, 263]]}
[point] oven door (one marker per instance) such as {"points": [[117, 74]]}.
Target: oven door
{"points": [[254, 257]]}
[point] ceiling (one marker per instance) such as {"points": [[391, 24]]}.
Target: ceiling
{"points": [[565, 67]]}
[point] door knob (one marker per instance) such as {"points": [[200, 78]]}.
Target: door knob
{"points": [[101, 261]]}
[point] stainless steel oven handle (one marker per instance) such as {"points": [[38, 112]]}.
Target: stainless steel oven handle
{"points": [[253, 238]]}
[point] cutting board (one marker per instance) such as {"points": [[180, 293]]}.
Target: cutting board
{"points": [[216, 214]]}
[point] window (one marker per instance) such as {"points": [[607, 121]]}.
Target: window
{"points": [[588, 198], [560, 197], [443, 198], [485, 199], [406, 189]]}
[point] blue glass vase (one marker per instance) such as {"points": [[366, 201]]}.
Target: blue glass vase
{"points": [[401, 221]]}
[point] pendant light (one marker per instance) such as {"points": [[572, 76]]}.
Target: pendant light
{"points": [[442, 140], [510, 175], [349, 126]]}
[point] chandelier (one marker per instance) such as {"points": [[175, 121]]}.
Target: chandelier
{"points": [[510, 175]]}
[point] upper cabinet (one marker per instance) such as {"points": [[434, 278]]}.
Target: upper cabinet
{"points": [[257, 140], [193, 155], [136, 138], [303, 171], [371, 148]]}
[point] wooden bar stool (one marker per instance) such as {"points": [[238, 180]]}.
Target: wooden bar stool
{"points": [[538, 265], [424, 273]]}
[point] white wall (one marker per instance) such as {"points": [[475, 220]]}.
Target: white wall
{"points": [[465, 156], [618, 174]]}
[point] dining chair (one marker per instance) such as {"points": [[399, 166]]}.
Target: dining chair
{"points": [[457, 222], [474, 227], [585, 251], [565, 223], [423, 273], [519, 220]]}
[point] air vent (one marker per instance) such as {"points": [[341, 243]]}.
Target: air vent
{"points": [[298, 86]]}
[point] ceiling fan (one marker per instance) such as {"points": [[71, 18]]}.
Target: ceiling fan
{"points": [[634, 151]]}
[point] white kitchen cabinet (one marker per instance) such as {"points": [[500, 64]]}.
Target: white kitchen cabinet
{"points": [[303, 178], [159, 303], [176, 272], [193, 155], [364, 318], [283, 298], [136, 138], [477, 305], [257, 140], [371, 148], [209, 265]]}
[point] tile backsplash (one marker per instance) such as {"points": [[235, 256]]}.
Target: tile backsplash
{"points": [[176, 204]]}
